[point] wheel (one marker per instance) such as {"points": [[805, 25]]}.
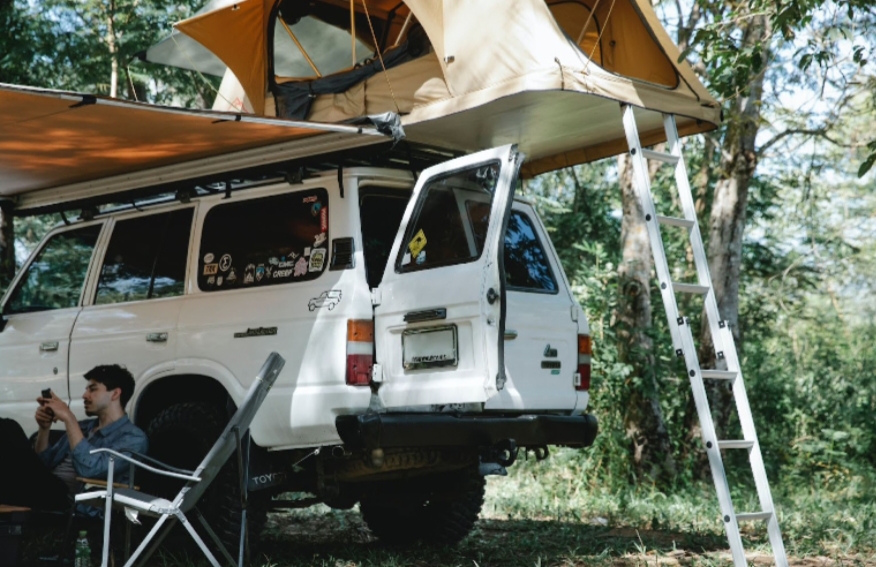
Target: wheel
{"points": [[181, 435], [436, 509]]}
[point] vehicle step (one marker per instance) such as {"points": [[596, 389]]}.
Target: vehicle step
{"points": [[675, 221], [660, 156], [720, 374], [736, 444], [690, 288], [753, 516]]}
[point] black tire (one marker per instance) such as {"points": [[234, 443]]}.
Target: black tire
{"points": [[181, 435], [436, 509]]}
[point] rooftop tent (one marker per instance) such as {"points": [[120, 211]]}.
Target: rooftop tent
{"points": [[547, 74]]}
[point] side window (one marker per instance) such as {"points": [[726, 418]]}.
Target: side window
{"points": [[265, 241], [146, 258], [54, 279], [439, 233], [526, 263]]}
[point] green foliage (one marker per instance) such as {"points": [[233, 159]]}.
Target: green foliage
{"points": [[72, 44]]}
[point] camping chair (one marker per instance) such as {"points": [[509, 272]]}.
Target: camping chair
{"points": [[197, 481]]}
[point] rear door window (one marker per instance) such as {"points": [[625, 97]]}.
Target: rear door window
{"points": [[440, 233], [266, 241], [55, 278], [146, 258]]}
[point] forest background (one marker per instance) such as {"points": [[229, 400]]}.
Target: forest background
{"points": [[787, 207]]}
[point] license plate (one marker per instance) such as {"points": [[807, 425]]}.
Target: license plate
{"points": [[429, 348]]}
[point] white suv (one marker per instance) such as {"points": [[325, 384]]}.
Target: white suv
{"points": [[414, 367]]}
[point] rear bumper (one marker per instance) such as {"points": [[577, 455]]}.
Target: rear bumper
{"points": [[371, 431]]}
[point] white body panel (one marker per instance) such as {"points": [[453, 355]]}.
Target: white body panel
{"points": [[311, 391], [26, 369], [537, 322]]}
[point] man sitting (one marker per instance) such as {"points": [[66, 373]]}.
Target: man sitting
{"points": [[44, 476]]}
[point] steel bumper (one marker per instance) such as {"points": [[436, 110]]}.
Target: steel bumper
{"points": [[435, 430]]}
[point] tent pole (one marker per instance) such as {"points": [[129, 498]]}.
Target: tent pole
{"points": [[300, 47], [404, 28], [353, 29]]}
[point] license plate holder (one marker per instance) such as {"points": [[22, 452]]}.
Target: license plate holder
{"points": [[431, 347]]}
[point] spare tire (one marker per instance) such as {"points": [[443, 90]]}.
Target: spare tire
{"points": [[436, 509]]}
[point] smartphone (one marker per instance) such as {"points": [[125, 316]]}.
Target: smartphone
{"points": [[47, 393]]}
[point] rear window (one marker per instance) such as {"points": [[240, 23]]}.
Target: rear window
{"points": [[267, 241]]}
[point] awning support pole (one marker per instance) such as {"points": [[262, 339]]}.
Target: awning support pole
{"points": [[7, 244]]}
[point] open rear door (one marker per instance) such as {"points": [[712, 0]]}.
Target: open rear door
{"points": [[439, 318]]}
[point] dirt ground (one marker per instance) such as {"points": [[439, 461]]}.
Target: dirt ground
{"points": [[341, 539]]}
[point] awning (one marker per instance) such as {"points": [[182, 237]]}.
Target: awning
{"points": [[59, 146]]}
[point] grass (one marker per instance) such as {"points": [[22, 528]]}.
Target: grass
{"points": [[553, 514]]}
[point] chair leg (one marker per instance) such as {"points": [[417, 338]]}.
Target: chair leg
{"points": [[191, 529], [214, 537], [146, 540]]}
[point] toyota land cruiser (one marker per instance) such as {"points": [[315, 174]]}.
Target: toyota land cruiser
{"points": [[428, 327]]}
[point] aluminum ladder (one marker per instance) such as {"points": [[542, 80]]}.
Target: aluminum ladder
{"points": [[683, 342]]}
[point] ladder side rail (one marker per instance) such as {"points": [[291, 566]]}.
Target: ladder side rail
{"points": [[642, 184], [695, 236], [710, 443], [758, 467]]}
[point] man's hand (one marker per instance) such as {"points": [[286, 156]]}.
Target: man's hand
{"points": [[55, 406], [43, 417]]}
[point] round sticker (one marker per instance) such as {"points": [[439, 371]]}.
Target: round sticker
{"points": [[208, 257], [225, 262]]}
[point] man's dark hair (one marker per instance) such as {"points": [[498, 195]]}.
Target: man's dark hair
{"points": [[113, 376]]}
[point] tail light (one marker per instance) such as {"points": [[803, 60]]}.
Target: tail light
{"points": [[360, 351], [585, 350]]}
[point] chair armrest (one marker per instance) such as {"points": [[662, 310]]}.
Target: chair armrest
{"points": [[148, 459], [137, 463], [102, 483]]}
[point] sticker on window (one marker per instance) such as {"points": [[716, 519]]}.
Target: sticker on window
{"points": [[418, 242], [317, 260]]}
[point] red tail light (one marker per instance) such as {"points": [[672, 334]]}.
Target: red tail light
{"points": [[360, 351], [585, 350]]}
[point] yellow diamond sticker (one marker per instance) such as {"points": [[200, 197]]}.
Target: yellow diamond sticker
{"points": [[418, 242]]}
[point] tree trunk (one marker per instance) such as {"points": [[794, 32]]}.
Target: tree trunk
{"points": [[725, 232], [112, 45], [650, 447], [7, 245]]}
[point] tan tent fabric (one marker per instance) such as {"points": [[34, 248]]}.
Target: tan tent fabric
{"points": [[505, 66], [53, 138], [244, 49]]}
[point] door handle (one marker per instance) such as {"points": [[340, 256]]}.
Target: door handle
{"points": [[49, 346], [510, 334], [156, 337]]}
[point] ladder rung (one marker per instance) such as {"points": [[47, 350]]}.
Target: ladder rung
{"points": [[683, 223], [690, 288], [736, 444], [753, 516], [660, 156], [719, 374]]}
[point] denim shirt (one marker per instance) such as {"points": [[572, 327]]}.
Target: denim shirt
{"points": [[121, 436]]}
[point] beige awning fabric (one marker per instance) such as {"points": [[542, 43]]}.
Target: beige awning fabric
{"points": [[498, 71], [54, 139]]}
